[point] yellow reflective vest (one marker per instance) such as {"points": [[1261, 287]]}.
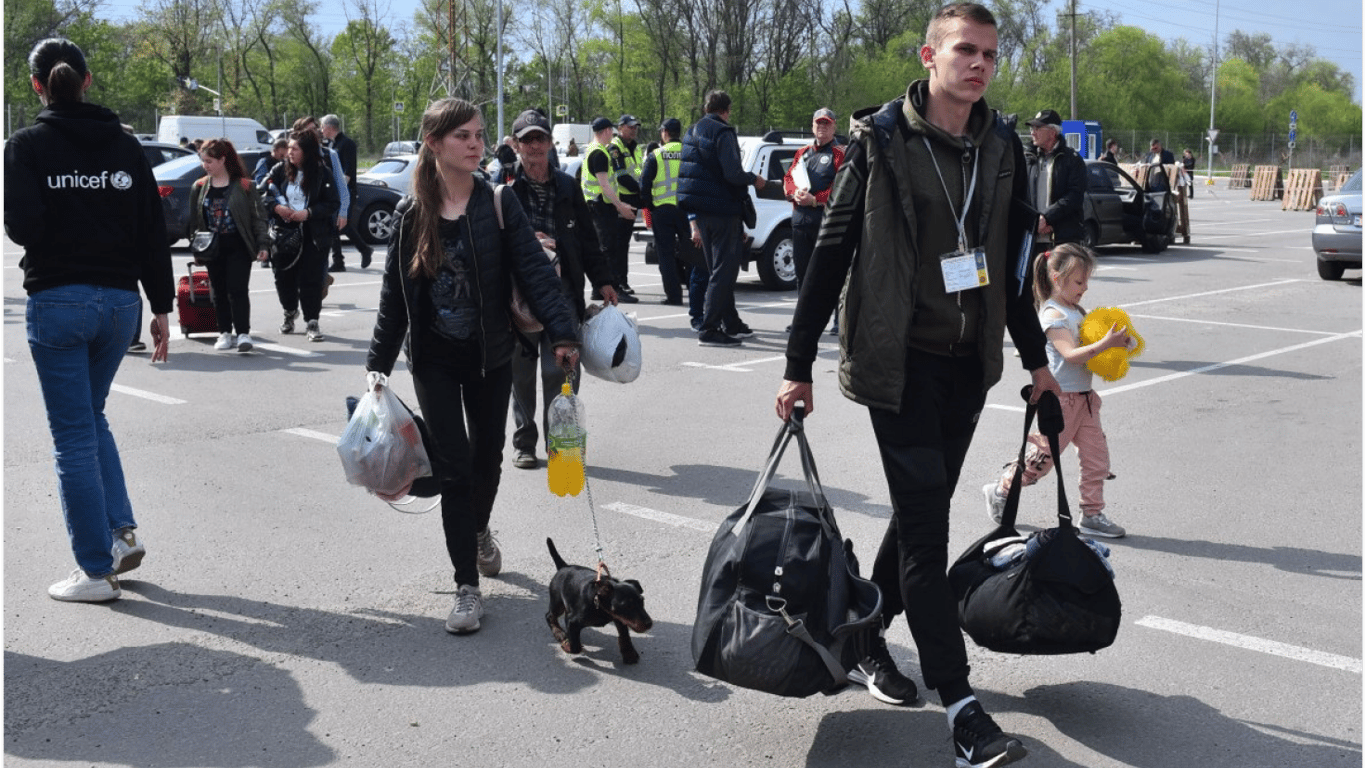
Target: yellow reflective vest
{"points": [[668, 161]]}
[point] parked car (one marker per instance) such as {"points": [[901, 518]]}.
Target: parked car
{"points": [[158, 152], [1117, 210], [769, 241], [394, 172], [1337, 230], [374, 204], [395, 148]]}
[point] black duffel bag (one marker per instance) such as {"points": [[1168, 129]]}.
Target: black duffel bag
{"points": [[782, 608], [1062, 599]]}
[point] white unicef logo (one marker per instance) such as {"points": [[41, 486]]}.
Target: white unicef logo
{"points": [[122, 180]]}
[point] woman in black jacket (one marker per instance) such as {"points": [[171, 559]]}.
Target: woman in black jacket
{"points": [[302, 193], [82, 201], [444, 300]]}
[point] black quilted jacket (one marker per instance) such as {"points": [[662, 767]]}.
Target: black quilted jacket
{"points": [[501, 255]]}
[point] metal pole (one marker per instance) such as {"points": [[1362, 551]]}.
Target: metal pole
{"points": [[1213, 80], [500, 72], [1074, 60]]}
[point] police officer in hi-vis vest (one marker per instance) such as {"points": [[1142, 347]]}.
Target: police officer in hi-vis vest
{"points": [[603, 167], [659, 185]]}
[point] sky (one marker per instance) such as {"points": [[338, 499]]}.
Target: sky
{"points": [[1333, 27]]}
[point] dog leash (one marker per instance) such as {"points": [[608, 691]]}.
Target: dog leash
{"points": [[588, 490]]}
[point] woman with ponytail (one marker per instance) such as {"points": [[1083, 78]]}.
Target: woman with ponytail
{"points": [[444, 301], [82, 201]]}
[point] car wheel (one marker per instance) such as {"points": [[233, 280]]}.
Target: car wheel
{"points": [[1331, 270], [1090, 235], [777, 266], [377, 223]]}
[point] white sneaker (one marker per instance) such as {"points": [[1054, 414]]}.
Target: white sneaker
{"points": [[128, 550], [312, 331], [80, 588], [244, 342], [468, 610], [996, 502], [224, 342]]}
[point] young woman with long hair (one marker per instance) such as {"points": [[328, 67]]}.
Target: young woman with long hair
{"points": [[302, 193], [227, 203], [444, 301], [82, 201]]}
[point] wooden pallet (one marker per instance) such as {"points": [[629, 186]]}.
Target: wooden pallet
{"points": [[1303, 188], [1267, 183], [1240, 178]]}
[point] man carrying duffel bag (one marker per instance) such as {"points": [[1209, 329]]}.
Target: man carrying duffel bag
{"points": [[923, 314]]}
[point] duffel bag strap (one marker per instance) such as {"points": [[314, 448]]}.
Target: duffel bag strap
{"points": [[797, 628], [791, 428], [1049, 412]]}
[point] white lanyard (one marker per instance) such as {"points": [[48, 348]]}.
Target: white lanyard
{"points": [[959, 219]]}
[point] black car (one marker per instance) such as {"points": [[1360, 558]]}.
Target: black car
{"points": [[158, 152], [374, 204], [1118, 210]]}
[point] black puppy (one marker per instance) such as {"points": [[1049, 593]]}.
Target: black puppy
{"points": [[585, 600]]}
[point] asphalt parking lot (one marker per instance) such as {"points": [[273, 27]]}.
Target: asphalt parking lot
{"points": [[283, 618]]}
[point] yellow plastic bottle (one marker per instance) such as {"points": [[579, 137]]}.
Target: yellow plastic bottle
{"points": [[567, 438]]}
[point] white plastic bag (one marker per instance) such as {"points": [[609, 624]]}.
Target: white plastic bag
{"points": [[381, 448], [611, 345]]}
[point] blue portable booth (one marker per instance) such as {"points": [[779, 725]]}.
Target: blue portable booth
{"points": [[1084, 136]]}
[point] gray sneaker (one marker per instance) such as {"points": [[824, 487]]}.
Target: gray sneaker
{"points": [[996, 501], [1100, 525], [468, 610], [490, 558]]}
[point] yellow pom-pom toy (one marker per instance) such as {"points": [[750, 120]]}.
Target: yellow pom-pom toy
{"points": [[1113, 363]]}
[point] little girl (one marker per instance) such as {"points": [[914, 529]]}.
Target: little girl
{"points": [[1060, 279]]}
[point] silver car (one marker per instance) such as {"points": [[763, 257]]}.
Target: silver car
{"points": [[1337, 230]]}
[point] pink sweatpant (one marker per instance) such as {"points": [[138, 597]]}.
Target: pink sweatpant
{"points": [[1081, 427]]}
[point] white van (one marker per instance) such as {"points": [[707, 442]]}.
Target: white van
{"points": [[244, 132], [581, 133]]}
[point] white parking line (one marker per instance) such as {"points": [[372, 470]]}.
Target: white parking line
{"points": [[678, 521], [1247, 642], [1231, 325], [1214, 293], [323, 436], [145, 395]]}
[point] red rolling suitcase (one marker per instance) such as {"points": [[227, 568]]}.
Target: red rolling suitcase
{"points": [[193, 304]]}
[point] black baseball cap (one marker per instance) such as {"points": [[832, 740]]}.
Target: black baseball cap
{"points": [[601, 123], [1046, 117], [672, 125], [628, 120], [530, 121]]}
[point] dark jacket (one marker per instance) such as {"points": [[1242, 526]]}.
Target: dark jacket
{"points": [[346, 153], [576, 239], [711, 179], [499, 254], [1066, 191], [247, 208], [82, 201], [888, 207], [320, 189]]}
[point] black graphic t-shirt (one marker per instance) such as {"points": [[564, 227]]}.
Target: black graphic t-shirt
{"points": [[453, 292], [217, 217]]}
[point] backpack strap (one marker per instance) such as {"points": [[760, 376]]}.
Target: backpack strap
{"points": [[498, 203]]}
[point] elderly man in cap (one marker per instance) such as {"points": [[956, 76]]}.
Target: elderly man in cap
{"points": [[807, 185], [659, 187], [564, 225], [1057, 183], [604, 167]]}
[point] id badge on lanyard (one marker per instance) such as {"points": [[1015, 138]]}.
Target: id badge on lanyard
{"points": [[965, 268]]}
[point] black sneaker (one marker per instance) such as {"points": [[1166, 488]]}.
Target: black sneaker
{"points": [[740, 332], [716, 339], [626, 298], [978, 741], [885, 683]]}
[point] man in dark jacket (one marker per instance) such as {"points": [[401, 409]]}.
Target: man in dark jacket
{"points": [[346, 153], [1057, 183], [924, 311], [564, 225], [712, 186]]}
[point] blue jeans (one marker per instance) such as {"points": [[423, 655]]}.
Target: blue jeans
{"points": [[78, 335]]}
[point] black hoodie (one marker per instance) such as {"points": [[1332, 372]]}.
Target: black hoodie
{"points": [[82, 201]]}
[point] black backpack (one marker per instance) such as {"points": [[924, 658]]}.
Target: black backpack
{"points": [[1060, 600], [782, 608]]}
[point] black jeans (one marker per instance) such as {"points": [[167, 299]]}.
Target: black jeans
{"points": [[670, 226], [301, 286], [352, 233], [803, 245], [466, 415], [229, 280], [607, 221], [922, 450], [722, 239]]}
